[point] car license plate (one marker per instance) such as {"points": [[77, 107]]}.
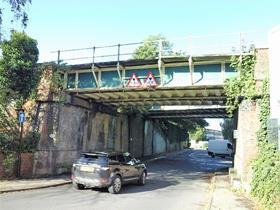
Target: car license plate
{"points": [[87, 168]]}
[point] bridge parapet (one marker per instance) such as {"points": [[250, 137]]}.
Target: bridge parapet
{"points": [[174, 72], [177, 78], [193, 60]]}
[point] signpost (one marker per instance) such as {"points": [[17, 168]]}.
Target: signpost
{"points": [[21, 119]]}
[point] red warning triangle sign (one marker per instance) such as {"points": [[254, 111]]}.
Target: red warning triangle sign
{"points": [[134, 81], [150, 81]]}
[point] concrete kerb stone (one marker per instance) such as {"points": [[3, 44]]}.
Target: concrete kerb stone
{"points": [[35, 187], [209, 203], [211, 192], [219, 189]]}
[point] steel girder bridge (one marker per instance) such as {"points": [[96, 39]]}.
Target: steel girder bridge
{"points": [[192, 84]]}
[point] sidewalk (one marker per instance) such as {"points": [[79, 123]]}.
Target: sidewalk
{"points": [[28, 184], [223, 198]]}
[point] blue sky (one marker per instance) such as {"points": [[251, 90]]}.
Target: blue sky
{"points": [[64, 24], [214, 124]]}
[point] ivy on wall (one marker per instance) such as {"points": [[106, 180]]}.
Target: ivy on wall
{"points": [[266, 167], [242, 86]]}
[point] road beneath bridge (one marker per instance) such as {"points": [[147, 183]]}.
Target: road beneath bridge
{"points": [[175, 182]]}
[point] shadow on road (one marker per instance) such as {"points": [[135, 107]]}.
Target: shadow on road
{"points": [[183, 168], [152, 184]]}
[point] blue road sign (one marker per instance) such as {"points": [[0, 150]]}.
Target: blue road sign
{"points": [[21, 117]]}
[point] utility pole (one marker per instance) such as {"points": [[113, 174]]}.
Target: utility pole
{"points": [[21, 118]]}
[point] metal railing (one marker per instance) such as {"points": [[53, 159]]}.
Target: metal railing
{"points": [[231, 43]]}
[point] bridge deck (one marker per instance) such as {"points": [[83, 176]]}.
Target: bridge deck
{"points": [[179, 81], [189, 95]]}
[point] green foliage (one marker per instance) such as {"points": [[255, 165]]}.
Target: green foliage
{"points": [[185, 125], [264, 111], [51, 74], [30, 142], [266, 167], [18, 80], [242, 86], [57, 82], [7, 121], [266, 172], [17, 8], [193, 123], [227, 129], [197, 134], [266, 179], [19, 57], [150, 47], [9, 143], [8, 147], [9, 163]]}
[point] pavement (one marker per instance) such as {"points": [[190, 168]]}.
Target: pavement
{"points": [[220, 196], [31, 184]]}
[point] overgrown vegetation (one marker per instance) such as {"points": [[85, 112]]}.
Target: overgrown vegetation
{"points": [[243, 86], [18, 82], [18, 78], [52, 81], [266, 172], [266, 167], [9, 164]]}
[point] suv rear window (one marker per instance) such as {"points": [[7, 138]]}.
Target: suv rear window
{"points": [[119, 158], [95, 159]]}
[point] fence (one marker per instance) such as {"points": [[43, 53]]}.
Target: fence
{"points": [[231, 43]]}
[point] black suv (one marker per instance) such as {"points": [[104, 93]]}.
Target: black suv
{"points": [[110, 170]]}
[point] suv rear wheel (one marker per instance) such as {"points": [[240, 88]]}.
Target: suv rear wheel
{"points": [[142, 178], [78, 186], [116, 185]]}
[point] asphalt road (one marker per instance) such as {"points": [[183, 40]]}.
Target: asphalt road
{"points": [[174, 183]]}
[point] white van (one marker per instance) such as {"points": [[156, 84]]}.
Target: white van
{"points": [[220, 148]]}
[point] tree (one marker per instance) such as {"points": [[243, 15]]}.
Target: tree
{"points": [[194, 123], [19, 57], [150, 47], [197, 134], [17, 8], [227, 129], [17, 68]]}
